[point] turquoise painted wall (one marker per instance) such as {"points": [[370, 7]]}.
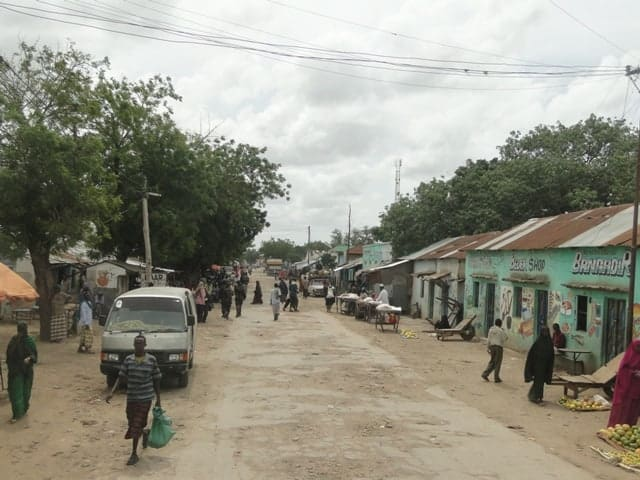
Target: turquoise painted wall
{"points": [[563, 274]]}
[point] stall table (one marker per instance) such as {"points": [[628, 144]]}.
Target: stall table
{"points": [[574, 355]]}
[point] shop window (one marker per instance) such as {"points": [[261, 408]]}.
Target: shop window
{"points": [[517, 301], [583, 308], [476, 294], [421, 288]]}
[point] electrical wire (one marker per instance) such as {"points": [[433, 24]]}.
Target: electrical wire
{"points": [[580, 22], [401, 35], [214, 41], [346, 60]]}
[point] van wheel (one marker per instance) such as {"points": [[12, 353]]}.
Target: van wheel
{"points": [[183, 380], [111, 379]]}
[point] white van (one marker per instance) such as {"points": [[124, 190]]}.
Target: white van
{"points": [[165, 316]]}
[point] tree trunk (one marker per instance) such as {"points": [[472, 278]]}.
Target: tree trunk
{"points": [[44, 286]]}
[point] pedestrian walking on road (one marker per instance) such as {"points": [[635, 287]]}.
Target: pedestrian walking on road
{"points": [[257, 295], [284, 290], [141, 373], [329, 297], [495, 346], [84, 323], [240, 295], [293, 296], [201, 302], [274, 300], [21, 356], [226, 297], [626, 393], [539, 365]]}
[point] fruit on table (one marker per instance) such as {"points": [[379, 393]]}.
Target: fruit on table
{"points": [[625, 435], [578, 404]]}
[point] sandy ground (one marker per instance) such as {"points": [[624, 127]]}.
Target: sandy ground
{"points": [[312, 396]]}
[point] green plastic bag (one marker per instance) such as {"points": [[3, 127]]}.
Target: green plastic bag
{"points": [[161, 431]]}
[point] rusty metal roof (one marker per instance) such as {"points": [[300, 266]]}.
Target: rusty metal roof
{"points": [[597, 227], [456, 247]]}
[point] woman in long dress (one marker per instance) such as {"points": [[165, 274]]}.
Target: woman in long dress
{"points": [[539, 365], [21, 356], [257, 294], [626, 394]]}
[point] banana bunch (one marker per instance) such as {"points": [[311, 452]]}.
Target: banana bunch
{"points": [[630, 459], [406, 333]]}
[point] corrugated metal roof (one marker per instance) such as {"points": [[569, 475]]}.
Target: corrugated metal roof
{"points": [[388, 265], [457, 246], [425, 250], [587, 228]]}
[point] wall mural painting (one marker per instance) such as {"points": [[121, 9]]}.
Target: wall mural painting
{"points": [[636, 320], [595, 325], [555, 305], [506, 305], [526, 326]]}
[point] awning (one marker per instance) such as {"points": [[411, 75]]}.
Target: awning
{"points": [[423, 273], [347, 266], [596, 286], [486, 276], [14, 287], [437, 275], [388, 265], [535, 279]]}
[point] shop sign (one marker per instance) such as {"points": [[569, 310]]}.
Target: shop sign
{"points": [[605, 266], [531, 264]]}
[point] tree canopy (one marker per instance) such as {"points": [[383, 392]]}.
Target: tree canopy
{"points": [[547, 171], [79, 149]]}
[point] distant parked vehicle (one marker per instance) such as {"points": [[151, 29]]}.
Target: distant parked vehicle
{"points": [[316, 286]]}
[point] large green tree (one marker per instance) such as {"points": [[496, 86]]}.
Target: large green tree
{"points": [[53, 184], [547, 171]]}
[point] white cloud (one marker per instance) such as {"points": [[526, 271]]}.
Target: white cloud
{"points": [[337, 137]]}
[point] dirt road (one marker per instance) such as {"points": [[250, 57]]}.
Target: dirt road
{"points": [[312, 396]]}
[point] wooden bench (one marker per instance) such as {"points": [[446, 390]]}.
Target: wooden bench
{"points": [[604, 378], [464, 329]]}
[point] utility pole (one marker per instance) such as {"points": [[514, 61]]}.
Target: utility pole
{"points": [[308, 244], [145, 232], [634, 228]]}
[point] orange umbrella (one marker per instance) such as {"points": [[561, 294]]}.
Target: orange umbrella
{"points": [[14, 287]]}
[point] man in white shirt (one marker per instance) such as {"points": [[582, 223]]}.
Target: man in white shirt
{"points": [[383, 295], [495, 344]]}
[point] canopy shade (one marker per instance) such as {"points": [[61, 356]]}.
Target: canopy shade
{"points": [[14, 287]]}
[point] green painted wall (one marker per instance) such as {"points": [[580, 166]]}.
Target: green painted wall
{"points": [[585, 293]]}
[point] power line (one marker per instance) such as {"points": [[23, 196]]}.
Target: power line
{"points": [[345, 60], [580, 22], [272, 54], [400, 35]]}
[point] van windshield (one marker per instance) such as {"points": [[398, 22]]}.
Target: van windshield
{"points": [[147, 314]]}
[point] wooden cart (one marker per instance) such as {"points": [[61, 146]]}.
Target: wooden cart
{"points": [[389, 316], [464, 329]]}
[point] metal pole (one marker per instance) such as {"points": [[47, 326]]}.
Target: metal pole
{"points": [[633, 249], [147, 239], [308, 244]]}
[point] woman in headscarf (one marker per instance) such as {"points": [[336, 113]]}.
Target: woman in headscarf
{"points": [[539, 365], [21, 356], [257, 294], [201, 302], [626, 394]]}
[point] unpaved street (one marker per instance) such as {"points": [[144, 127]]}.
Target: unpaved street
{"points": [[312, 396]]}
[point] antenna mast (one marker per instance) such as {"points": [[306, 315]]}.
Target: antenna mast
{"points": [[398, 165]]}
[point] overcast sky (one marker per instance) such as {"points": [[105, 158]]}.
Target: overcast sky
{"points": [[336, 129]]}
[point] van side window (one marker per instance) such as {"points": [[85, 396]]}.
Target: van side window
{"points": [[188, 304]]}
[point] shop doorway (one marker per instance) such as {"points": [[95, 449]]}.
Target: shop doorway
{"points": [[541, 309], [490, 308], [615, 328]]}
